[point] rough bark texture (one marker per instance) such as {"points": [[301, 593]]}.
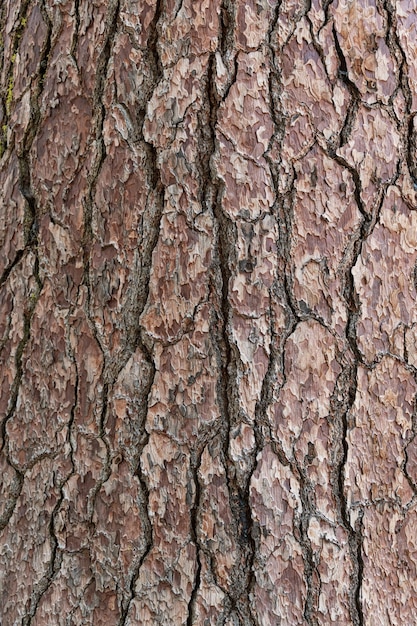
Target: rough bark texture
{"points": [[208, 324]]}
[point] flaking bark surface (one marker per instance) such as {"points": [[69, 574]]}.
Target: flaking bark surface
{"points": [[208, 315]]}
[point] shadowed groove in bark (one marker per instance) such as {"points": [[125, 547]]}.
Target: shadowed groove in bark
{"points": [[139, 338], [2, 26], [27, 315], [355, 537], [284, 208], [98, 124], [394, 44], [411, 479], [107, 376], [311, 573], [393, 41], [74, 43], [238, 493], [11, 266], [226, 391], [30, 241], [7, 99], [227, 23], [353, 90], [144, 492], [341, 404], [195, 466], [54, 564]]}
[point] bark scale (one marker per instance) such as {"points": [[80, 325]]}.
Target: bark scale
{"points": [[207, 312]]}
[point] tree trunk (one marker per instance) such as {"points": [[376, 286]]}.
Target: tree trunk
{"points": [[208, 323]]}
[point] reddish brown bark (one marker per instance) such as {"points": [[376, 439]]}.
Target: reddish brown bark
{"points": [[207, 312]]}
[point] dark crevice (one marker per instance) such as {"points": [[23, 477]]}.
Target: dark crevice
{"points": [[411, 155], [353, 90], [35, 116], [227, 29], [7, 97], [27, 318], [3, 16], [137, 338], [56, 554], [98, 105], [393, 41], [342, 403], [226, 44], [225, 234], [348, 379], [356, 547], [144, 491], [6, 273], [53, 567], [74, 43], [72, 414], [87, 239], [194, 537], [153, 38], [316, 45], [238, 492], [326, 10], [310, 570]]}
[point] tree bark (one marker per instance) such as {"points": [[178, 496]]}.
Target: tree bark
{"points": [[207, 312]]}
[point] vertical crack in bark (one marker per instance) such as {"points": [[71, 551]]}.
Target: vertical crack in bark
{"points": [[7, 99], [411, 155], [349, 373], [54, 564], [74, 43], [226, 44], [353, 90], [19, 256], [262, 427], [224, 349], [341, 404], [2, 27], [30, 241], [150, 235], [227, 26], [108, 377], [98, 105], [412, 481], [393, 42], [195, 466], [284, 208], [310, 569], [225, 233], [238, 493], [144, 491], [406, 127]]}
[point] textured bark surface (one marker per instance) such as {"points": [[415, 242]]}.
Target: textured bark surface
{"points": [[208, 325]]}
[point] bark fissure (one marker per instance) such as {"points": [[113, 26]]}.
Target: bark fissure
{"points": [[353, 90], [195, 466], [144, 494]]}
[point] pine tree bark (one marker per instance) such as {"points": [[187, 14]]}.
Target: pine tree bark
{"points": [[207, 312]]}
